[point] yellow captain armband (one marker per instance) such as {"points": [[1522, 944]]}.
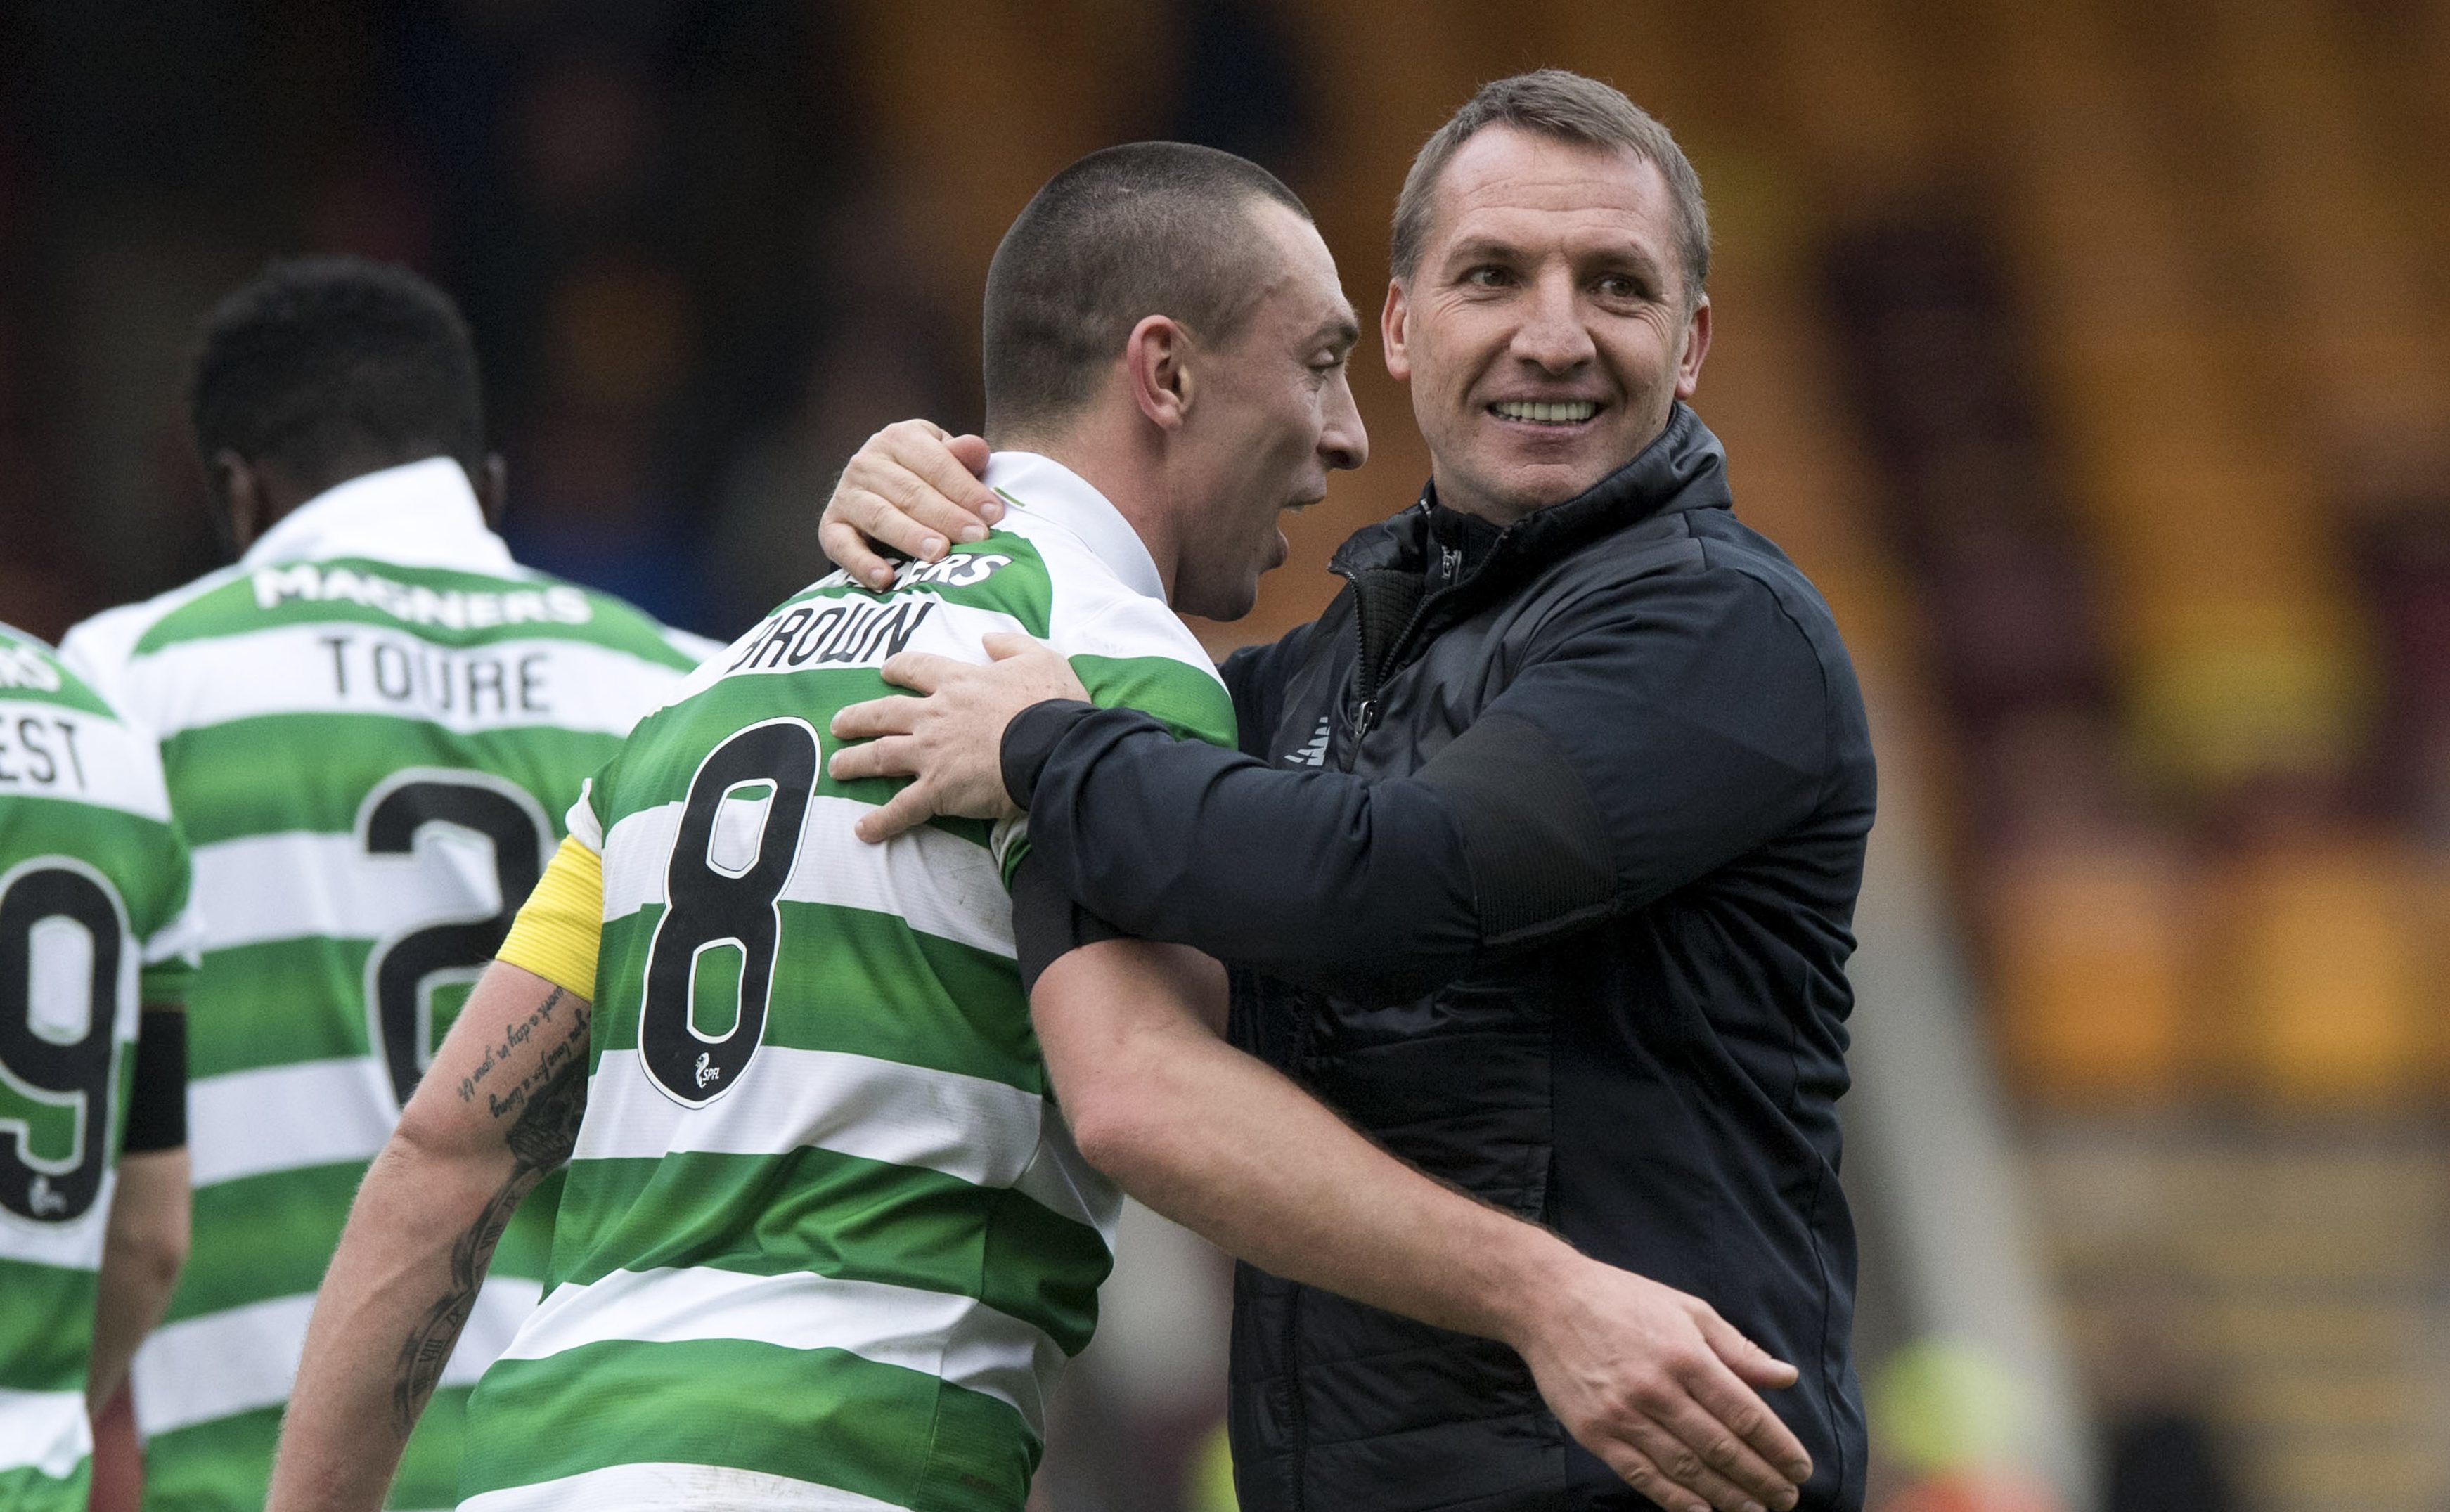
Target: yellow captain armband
{"points": [[562, 922]]}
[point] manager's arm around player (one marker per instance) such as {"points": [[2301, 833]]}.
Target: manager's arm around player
{"points": [[1651, 1379]]}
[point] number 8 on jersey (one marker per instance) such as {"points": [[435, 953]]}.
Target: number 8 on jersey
{"points": [[738, 845]]}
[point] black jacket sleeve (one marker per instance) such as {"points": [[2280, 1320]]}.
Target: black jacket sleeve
{"points": [[1046, 923], [1282, 869], [1667, 727]]}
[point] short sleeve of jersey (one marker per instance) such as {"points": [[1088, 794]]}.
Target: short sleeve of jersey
{"points": [[558, 930], [84, 754], [585, 821], [172, 953]]}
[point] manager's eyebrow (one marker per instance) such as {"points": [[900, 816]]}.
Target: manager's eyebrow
{"points": [[1342, 329], [1628, 254], [1474, 248]]}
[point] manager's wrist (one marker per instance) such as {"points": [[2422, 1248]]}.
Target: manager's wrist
{"points": [[1029, 743], [1535, 1271]]}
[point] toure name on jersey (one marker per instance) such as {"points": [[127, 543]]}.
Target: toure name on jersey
{"points": [[451, 608], [833, 634], [40, 751], [417, 678]]}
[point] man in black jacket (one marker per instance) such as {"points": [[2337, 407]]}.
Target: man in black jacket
{"points": [[1540, 857]]}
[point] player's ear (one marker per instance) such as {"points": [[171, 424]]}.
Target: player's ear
{"points": [[1155, 366], [493, 485], [1394, 325]]}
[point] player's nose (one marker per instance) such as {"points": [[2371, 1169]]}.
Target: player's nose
{"points": [[1344, 442]]}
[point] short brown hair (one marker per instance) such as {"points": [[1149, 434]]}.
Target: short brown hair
{"points": [[1555, 102], [1146, 228]]}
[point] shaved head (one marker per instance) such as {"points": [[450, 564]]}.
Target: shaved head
{"points": [[1147, 228]]}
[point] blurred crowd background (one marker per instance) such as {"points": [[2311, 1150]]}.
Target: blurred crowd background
{"points": [[2092, 358]]}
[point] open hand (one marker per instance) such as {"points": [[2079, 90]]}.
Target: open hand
{"points": [[1658, 1385], [914, 487], [950, 743]]}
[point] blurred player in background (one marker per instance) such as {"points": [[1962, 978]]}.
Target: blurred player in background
{"points": [[96, 950], [825, 1240], [369, 728]]}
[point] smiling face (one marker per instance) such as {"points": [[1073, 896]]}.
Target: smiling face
{"points": [[1545, 332], [1272, 414]]}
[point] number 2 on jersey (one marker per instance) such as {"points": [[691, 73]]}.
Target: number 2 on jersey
{"points": [[62, 933], [404, 973], [738, 845]]}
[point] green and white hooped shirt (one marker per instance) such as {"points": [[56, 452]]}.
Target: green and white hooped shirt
{"points": [[370, 728], [825, 1241], [94, 922]]}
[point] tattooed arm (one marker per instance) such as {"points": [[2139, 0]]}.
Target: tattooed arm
{"points": [[497, 1111]]}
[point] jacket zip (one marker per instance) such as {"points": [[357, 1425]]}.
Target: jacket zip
{"points": [[1365, 717], [1368, 677]]}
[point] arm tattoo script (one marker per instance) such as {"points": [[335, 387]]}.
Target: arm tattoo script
{"points": [[502, 1100], [545, 1107]]}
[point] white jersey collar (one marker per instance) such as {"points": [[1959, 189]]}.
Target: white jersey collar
{"points": [[417, 514], [1045, 487]]}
